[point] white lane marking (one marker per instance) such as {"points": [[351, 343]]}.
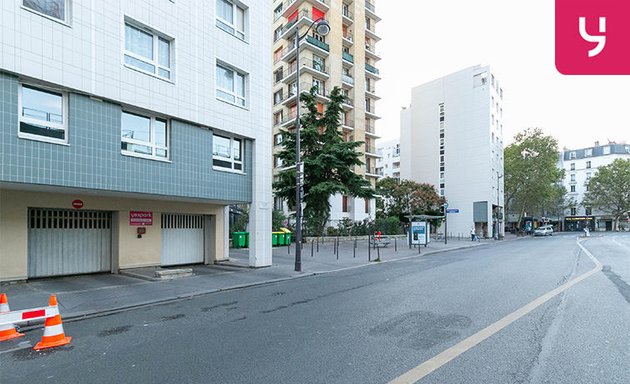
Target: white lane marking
{"points": [[451, 353], [21, 345]]}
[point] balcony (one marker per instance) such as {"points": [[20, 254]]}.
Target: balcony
{"points": [[348, 39], [291, 6], [372, 71], [348, 124], [370, 10], [370, 31], [370, 112], [370, 130], [370, 52], [347, 80], [370, 91], [290, 52], [290, 99], [347, 57], [348, 103], [319, 44], [347, 16]]}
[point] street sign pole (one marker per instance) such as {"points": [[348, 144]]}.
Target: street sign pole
{"points": [[445, 223]]}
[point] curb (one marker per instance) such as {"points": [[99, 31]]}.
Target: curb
{"points": [[85, 315]]}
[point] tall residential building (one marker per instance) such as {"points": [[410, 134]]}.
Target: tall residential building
{"points": [[388, 163], [345, 58], [579, 166], [127, 129], [451, 137]]}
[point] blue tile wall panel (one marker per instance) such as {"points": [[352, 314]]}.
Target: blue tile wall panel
{"points": [[93, 158]]}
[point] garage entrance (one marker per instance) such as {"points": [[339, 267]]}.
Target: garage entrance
{"points": [[182, 239], [68, 242]]}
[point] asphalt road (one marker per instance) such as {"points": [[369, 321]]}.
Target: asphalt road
{"points": [[371, 325]]}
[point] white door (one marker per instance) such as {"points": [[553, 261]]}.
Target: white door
{"points": [[182, 239], [68, 242]]}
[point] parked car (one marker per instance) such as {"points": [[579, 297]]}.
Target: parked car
{"points": [[544, 230]]}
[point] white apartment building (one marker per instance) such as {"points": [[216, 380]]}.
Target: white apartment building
{"points": [[452, 137], [579, 166], [388, 163], [127, 128]]}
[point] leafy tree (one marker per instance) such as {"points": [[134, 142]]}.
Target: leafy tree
{"points": [[404, 197], [532, 178], [609, 190], [329, 161]]}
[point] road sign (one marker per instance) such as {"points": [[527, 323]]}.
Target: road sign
{"points": [[452, 210]]}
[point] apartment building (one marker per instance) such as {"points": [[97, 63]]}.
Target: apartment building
{"points": [[127, 128], [579, 166], [345, 58], [452, 137], [388, 162]]}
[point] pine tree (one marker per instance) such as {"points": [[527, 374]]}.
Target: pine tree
{"points": [[329, 161]]}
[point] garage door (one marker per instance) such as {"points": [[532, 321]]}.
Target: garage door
{"points": [[182, 239], [68, 242]]}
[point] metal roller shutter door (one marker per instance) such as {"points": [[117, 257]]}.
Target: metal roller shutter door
{"points": [[182, 239], [68, 242]]}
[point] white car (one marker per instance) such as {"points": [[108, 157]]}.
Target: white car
{"points": [[545, 230]]}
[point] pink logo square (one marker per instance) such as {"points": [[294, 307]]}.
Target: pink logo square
{"points": [[593, 37]]}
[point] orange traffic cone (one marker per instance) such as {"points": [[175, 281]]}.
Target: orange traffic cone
{"points": [[53, 331], [7, 332]]}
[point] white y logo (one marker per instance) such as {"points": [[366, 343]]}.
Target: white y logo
{"points": [[600, 40]]}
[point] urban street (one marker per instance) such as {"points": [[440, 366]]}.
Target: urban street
{"points": [[373, 324]]}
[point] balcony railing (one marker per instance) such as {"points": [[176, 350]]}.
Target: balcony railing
{"points": [[348, 36], [347, 57], [347, 79], [370, 6], [369, 127], [347, 13], [317, 43], [372, 69], [370, 149]]}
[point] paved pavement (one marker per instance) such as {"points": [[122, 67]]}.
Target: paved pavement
{"points": [[89, 295]]}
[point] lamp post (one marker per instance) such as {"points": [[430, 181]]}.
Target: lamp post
{"points": [[498, 207], [322, 28]]}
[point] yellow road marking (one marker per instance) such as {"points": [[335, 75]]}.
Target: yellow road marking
{"points": [[451, 353]]}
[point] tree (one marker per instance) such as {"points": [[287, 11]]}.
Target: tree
{"points": [[532, 178], [404, 197], [329, 161], [609, 190]]}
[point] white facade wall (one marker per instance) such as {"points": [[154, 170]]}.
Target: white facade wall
{"points": [[473, 144], [388, 164], [85, 55]]}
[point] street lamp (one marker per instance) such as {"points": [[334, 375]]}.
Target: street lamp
{"points": [[322, 28], [498, 232]]}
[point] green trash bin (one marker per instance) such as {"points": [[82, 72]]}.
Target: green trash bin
{"points": [[239, 239], [288, 238], [246, 239], [274, 239], [282, 238]]}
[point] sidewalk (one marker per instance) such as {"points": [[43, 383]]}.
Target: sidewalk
{"points": [[92, 295]]}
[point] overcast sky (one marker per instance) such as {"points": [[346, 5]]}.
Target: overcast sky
{"points": [[423, 40]]}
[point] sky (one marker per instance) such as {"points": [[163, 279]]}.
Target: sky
{"points": [[423, 40]]}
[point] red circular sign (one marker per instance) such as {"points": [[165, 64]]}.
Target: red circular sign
{"points": [[77, 204]]}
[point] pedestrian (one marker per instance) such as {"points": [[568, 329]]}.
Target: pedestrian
{"points": [[473, 235]]}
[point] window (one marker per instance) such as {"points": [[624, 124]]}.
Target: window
{"points": [[588, 164], [42, 114], [277, 97], [344, 203], [573, 211], [277, 162], [278, 117], [588, 175], [573, 166], [277, 33], [230, 85], [278, 138], [147, 51], [573, 177], [278, 203], [227, 153], [231, 18], [572, 155], [367, 206], [607, 150], [278, 11], [56, 9], [588, 152], [145, 136], [589, 211], [573, 188]]}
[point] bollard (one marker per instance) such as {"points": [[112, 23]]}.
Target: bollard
{"points": [[378, 251], [312, 242], [289, 249], [395, 244], [354, 249], [317, 244], [419, 248], [369, 250]]}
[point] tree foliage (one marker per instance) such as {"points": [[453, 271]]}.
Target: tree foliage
{"points": [[329, 161], [609, 190], [405, 197], [532, 178]]}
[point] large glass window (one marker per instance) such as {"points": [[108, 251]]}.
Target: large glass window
{"points": [[147, 51], [144, 136], [42, 114], [227, 153], [56, 9], [231, 18], [230, 85]]}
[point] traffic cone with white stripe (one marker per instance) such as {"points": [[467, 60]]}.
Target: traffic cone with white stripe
{"points": [[53, 330], [8, 331]]}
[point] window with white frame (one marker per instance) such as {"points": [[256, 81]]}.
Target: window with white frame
{"points": [[43, 114], [144, 136], [230, 85], [231, 18], [572, 177], [607, 150], [56, 9], [588, 152], [227, 153], [148, 51]]}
